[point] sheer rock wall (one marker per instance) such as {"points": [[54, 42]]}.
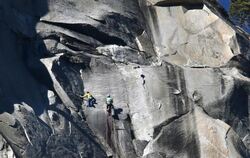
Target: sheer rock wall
{"points": [[192, 102]]}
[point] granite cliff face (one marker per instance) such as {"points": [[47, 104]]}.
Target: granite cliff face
{"points": [[193, 101]]}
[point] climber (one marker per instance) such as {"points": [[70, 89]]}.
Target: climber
{"points": [[143, 79], [89, 98], [110, 106]]}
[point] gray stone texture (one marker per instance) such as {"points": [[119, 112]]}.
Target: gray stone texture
{"points": [[178, 72]]}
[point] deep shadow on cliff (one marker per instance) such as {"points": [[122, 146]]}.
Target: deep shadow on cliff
{"points": [[18, 85], [27, 123]]}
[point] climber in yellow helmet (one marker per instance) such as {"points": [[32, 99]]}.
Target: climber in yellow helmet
{"points": [[89, 98]]}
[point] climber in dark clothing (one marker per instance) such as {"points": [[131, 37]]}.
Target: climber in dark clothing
{"points": [[110, 106], [93, 102], [143, 79]]}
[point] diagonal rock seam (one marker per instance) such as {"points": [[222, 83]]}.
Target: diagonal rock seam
{"points": [[157, 129], [91, 31]]}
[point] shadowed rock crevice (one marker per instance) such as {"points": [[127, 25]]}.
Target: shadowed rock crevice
{"points": [[233, 142], [244, 45], [241, 63], [69, 77], [238, 115], [92, 32], [188, 5], [73, 43]]}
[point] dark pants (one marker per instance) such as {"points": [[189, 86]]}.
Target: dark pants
{"points": [[109, 108], [88, 102], [91, 102]]}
